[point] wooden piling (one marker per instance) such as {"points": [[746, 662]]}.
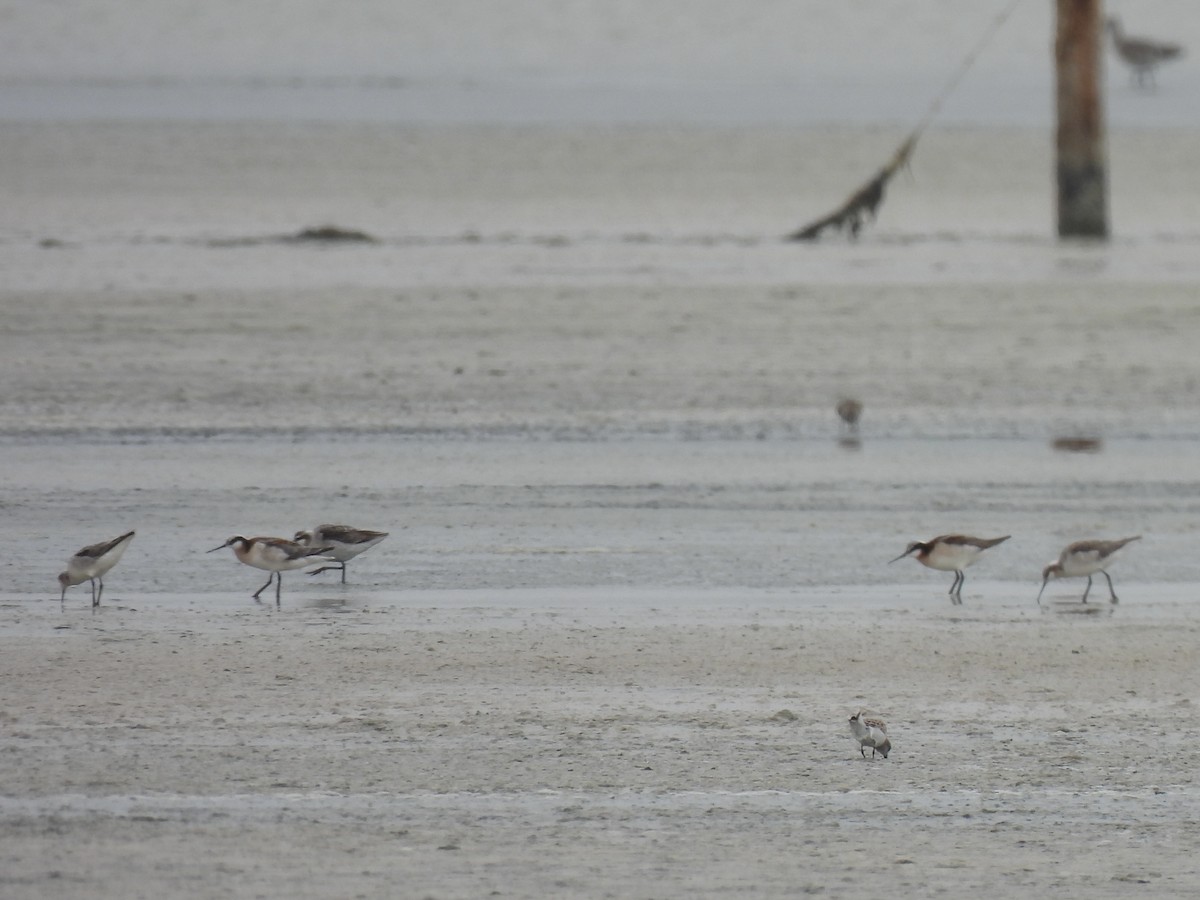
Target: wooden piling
{"points": [[1081, 155]]}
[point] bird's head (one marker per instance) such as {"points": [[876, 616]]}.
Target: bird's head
{"points": [[914, 547], [235, 541], [1054, 570]]}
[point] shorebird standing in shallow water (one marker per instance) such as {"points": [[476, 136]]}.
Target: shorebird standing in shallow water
{"points": [[849, 410], [340, 542], [951, 553], [274, 555], [1142, 55], [90, 563], [870, 732], [1085, 558]]}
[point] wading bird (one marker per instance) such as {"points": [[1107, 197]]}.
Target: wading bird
{"points": [[1085, 558], [951, 553], [90, 563], [274, 555], [340, 542], [1142, 55]]}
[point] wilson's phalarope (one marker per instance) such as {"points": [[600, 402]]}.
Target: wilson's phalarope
{"points": [[1085, 558], [342, 543], [951, 553], [870, 732], [274, 555], [90, 563]]}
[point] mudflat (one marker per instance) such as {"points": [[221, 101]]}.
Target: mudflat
{"points": [[636, 580]]}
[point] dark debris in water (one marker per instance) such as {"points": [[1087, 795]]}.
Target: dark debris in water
{"points": [[321, 234], [331, 234], [1078, 444]]}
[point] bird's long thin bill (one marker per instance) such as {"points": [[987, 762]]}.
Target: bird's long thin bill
{"points": [[215, 549], [898, 558], [1045, 581]]}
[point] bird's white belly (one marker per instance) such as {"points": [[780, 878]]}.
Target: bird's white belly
{"points": [[276, 561], [1077, 566], [948, 557]]}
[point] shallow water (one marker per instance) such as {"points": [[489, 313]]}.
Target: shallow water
{"points": [[799, 63]]}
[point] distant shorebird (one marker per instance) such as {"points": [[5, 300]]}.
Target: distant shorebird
{"points": [[849, 410], [90, 563], [274, 555], [1085, 558], [951, 553], [341, 542], [870, 732], [1141, 54]]}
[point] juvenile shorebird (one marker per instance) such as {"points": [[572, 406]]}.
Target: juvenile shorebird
{"points": [[951, 553], [1141, 54], [341, 542], [1085, 558], [274, 555], [90, 563], [870, 732]]}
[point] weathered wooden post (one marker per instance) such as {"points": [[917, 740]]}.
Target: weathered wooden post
{"points": [[1082, 178]]}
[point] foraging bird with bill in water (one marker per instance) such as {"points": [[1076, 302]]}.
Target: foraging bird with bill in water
{"points": [[92, 563], [1085, 558]]}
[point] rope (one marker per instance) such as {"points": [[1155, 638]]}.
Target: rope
{"points": [[865, 201], [936, 106]]}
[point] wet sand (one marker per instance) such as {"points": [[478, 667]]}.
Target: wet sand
{"points": [[634, 585], [600, 742]]}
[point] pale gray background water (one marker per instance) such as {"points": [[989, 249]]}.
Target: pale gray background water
{"points": [[600, 61]]}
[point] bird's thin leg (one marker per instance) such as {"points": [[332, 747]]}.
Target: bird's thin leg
{"points": [[862, 750], [327, 568], [278, 588], [265, 586], [961, 579], [1088, 589], [1110, 587], [99, 593]]}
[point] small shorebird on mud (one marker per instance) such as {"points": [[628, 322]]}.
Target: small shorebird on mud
{"points": [[341, 542], [1085, 558], [870, 732], [90, 563], [849, 411], [951, 553], [274, 555]]}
